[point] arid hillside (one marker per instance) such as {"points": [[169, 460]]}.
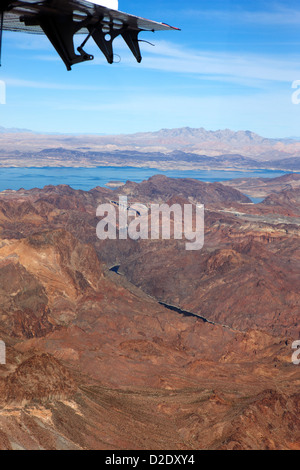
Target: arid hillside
{"points": [[263, 187], [183, 148], [97, 359]]}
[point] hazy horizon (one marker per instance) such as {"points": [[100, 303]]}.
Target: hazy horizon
{"points": [[100, 134]]}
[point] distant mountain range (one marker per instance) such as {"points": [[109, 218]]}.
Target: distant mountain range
{"points": [[12, 130], [177, 148]]}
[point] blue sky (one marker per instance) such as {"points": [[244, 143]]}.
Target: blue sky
{"points": [[231, 66]]}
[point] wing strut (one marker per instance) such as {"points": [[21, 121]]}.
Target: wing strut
{"points": [[60, 30], [131, 38], [104, 38], [104, 41]]}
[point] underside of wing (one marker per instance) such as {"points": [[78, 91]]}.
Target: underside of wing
{"points": [[60, 20]]}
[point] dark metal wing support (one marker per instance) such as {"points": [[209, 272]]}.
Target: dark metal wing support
{"points": [[60, 20], [60, 30], [131, 38], [104, 38]]}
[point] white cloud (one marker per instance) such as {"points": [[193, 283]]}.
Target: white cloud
{"points": [[230, 65], [246, 69], [20, 83], [279, 15]]}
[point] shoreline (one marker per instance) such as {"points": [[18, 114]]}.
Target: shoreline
{"points": [[152, 167]]}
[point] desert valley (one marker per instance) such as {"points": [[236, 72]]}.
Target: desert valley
{"points": [[124, 344]]}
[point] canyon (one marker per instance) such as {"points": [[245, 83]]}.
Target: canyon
{"points": [[95, 360]]}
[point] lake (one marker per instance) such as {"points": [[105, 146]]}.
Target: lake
{"points": [[88, 178]]}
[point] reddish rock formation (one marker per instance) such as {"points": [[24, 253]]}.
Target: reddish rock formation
{"points": [[94, 362], [40, 378], [263, 187]]}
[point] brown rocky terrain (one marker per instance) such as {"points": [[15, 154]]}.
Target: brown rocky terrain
{"points": [[263, 187], [159, 188], [95, 362]]}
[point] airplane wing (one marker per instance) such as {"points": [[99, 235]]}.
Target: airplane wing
{"points": [[60, 20]]}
